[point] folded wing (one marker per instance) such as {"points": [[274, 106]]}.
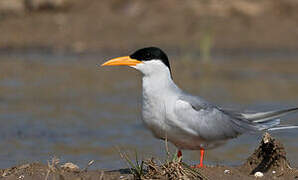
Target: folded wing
{"points": [[213, 123]]}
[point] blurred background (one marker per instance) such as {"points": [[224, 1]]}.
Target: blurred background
{"points": [[55, 101]]}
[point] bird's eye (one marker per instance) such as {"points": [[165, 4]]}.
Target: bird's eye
{"points": [[148, 55]]}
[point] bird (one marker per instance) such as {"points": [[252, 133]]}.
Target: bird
{"points": [[187, 121]]}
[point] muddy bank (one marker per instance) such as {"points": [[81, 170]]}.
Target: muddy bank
{"points": [[90, 25], [267, 162]]}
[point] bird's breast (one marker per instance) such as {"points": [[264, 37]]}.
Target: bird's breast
{"points": [[154, 113], [159, 95]]}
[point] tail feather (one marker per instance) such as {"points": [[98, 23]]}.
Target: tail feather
{"points": [[267, 116], [282, 128], [262, 120], [270, 123]]}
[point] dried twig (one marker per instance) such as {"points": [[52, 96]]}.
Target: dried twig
{"points": [[88, 165]]}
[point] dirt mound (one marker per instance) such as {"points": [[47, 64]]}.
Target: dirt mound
{"points": [[269, 156]]}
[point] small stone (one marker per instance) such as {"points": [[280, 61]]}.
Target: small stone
{"points": [[259, 174], [273, 172], [21, 177], [70, 166], [227, 171]]}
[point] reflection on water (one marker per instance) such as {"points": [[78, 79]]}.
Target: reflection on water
{"points": [[64, 105]]}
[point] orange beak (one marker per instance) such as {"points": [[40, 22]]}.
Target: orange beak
{"points": [[122, 61]]}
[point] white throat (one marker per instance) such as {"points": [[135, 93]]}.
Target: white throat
{"points": [[157, 80]]}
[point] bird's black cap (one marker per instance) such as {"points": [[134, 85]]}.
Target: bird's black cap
{"points": [[150, 53]]}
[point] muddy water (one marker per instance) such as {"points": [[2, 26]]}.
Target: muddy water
{"points": [[62, 104]]}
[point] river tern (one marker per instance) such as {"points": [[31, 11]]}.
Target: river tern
{"points": [[187, 121]]}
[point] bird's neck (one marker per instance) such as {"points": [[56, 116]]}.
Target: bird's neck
{"points": [[159, 84]]}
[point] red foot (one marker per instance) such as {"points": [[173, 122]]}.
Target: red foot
{"points": [[179, 153]]}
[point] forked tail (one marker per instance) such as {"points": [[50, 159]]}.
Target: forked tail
{"points": [[270, 120]]}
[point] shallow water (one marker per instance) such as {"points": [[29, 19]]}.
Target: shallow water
{"points": [[62, 104]]}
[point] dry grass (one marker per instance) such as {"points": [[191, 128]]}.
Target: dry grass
{"points": [[137, 168], [53, 167], [172, 168]]}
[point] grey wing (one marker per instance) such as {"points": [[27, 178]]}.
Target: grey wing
{"points": [[207, 121], [213, 123]]}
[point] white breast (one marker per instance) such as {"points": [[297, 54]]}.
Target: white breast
{"points": [[159, 92]]}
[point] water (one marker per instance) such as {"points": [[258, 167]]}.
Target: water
{"points": [[62, 104]]}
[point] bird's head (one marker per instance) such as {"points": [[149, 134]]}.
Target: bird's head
{"points": [[149, 61]]}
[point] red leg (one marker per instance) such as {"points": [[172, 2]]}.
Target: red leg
{"points": [[179, 153], [201, 159]]}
